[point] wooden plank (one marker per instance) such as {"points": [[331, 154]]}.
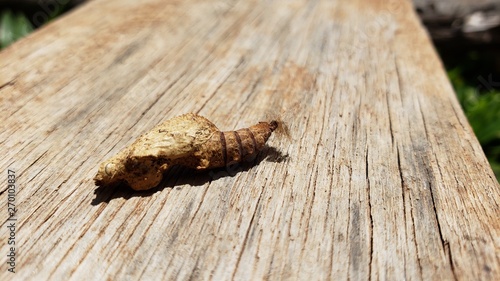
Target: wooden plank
{"points": [[382, 177]]}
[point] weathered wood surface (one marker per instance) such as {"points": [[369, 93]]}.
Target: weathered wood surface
{"points": [[382, 177]]}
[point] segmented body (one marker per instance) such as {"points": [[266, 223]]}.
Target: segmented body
{"points": [[226, 148], [189, 140]]}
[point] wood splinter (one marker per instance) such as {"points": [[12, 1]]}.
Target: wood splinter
{"points": [[188, 140]]}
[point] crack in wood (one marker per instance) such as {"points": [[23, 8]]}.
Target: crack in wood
{"points": [[368, 186], [247, 234], [10, 83]]}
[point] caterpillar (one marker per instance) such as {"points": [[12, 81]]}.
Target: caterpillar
{"points": [[188, 140]]}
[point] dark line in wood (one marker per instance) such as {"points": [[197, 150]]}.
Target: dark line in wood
{"points": [[199, 205], [148, 227], [33, 163], [427, 133], [247, 234], [129, 50], [391, 130], [430, 182], [368, 185], [195, 272], [10, 83], [447, 251], [348, 230], [402, 181], [457, 115], [85, 229], [414, 234], [224, 148], [143, 237], [400, 79], [254, 86]]}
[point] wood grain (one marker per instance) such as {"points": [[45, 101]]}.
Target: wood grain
{"points": [[382, 177]]}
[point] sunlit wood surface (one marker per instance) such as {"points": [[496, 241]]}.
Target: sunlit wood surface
{"points": [[381, 177]]}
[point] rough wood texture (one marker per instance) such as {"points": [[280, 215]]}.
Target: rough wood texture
{"points": [[382, 178]]}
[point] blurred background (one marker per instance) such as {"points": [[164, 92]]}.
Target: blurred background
{"points": [[466, 34]]}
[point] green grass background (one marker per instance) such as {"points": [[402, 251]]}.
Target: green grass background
{"points": [[476, 79]]}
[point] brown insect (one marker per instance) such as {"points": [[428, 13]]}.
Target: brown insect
{"points": [[189, 140]]}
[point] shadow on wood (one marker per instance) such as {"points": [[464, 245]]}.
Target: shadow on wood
{"points": [[178, 176]]}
